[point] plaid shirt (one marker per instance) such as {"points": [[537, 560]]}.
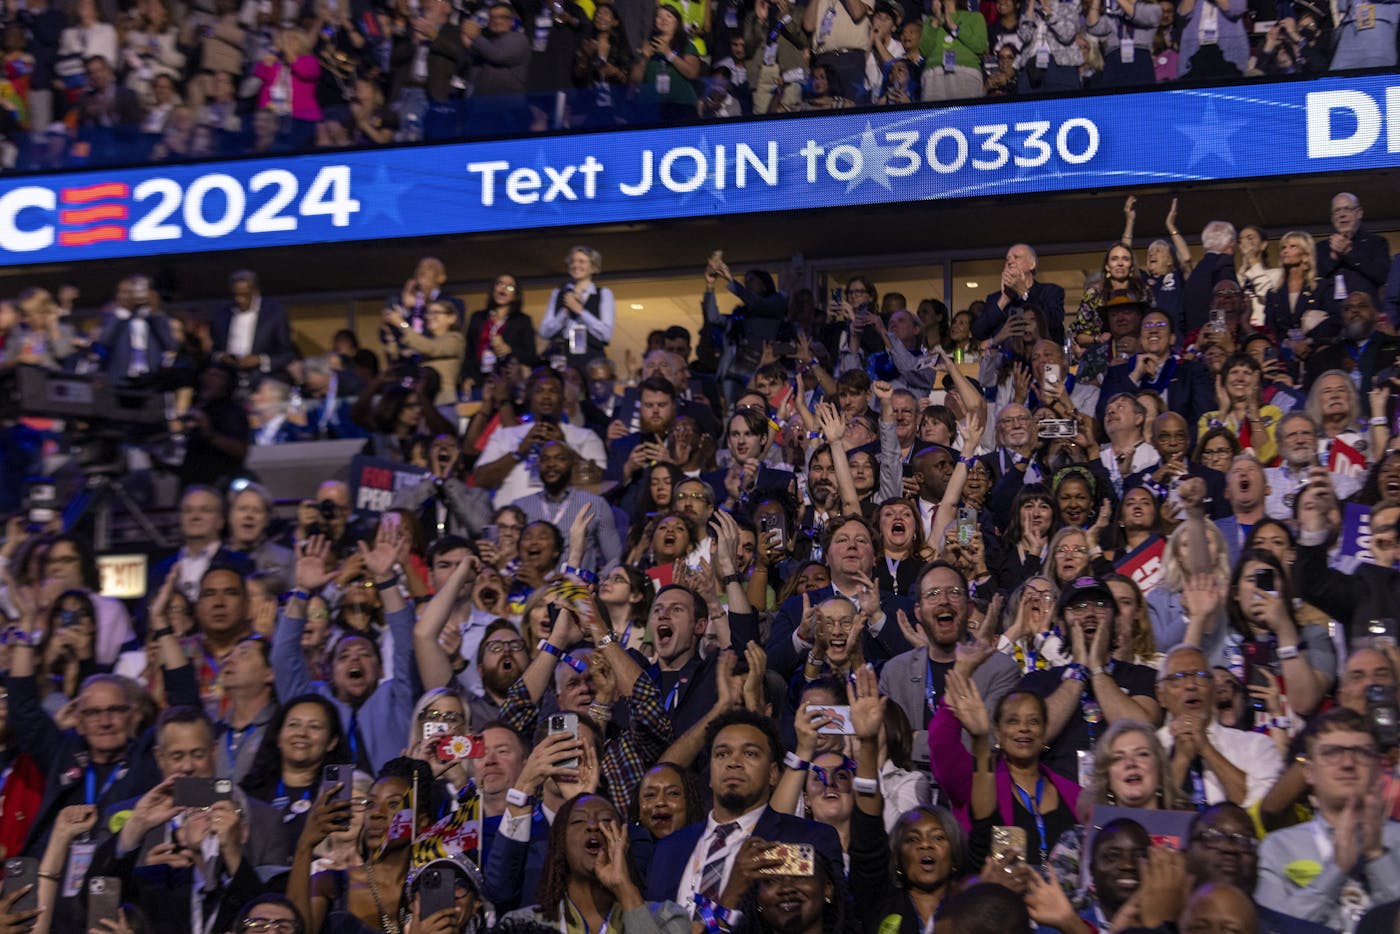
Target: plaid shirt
{"points": [[628, 753]]}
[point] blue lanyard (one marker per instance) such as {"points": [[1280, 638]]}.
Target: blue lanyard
{"points": [[1198, 786], [229, 744], [1033, 805], [670, 702], [930, 696], [90, 793], [281, 800]]}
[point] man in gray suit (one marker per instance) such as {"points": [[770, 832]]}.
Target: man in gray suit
{"points": [[915, 679]]}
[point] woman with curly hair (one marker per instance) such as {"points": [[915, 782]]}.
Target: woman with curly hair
{"points": [[586, 882], [667, 537]]}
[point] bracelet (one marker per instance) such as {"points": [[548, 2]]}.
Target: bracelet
{"points": [[299, 594], [606, 640], [1378, 421], [51, 876], [865, 786], [563, 656], [583, 574], [1074, 672], [1281, 723], [733, 579], [1286, 652], [793, 762], [600, 713], [160, 633], [968, 462], [385, 585]]}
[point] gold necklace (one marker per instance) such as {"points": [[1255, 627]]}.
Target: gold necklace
{"points": [[388, 926]]}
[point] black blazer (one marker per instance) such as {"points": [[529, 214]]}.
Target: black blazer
{"points": [[696, 692], [272, 337], [1364, 269], [164, 894], [1190, 393], [114, 343], [1047, 296], [519, 333], [1381, 351], [673, 853], [783, 658], [1213, 268]]}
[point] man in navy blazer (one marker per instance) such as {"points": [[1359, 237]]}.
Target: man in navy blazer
{"points": [[252, 333], [1019, 288], [745, 758], [848, 542]]}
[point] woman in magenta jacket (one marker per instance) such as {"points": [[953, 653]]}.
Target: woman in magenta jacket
{"points": [[289, 78], [1001, 783]]}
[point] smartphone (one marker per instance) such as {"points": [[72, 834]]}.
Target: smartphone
{"points": [[436, 891], [1009, 842], [906, 470], [798, 859], [104, 898], [565, 723], [19, 872], [1057, 428], [1382, 632], [344, 775], [1266, 580], [460, 746], [836, 296], [839, 717], [967, 524], [491, 534], [434, 730], [1217, 319], [1051, 373], [771, 525], [189, 792]]}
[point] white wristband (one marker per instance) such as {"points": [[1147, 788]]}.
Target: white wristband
{"points": [[865, 786], [1286, 652]]}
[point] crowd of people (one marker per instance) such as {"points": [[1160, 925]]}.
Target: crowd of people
{"points": [[840, 615], [92, 82]]}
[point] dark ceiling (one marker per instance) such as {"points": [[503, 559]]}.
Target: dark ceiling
{"points": [[1068, 221]]}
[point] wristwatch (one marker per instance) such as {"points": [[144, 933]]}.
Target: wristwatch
{"points": [[156, 634], [608, 639], [519, 798]]}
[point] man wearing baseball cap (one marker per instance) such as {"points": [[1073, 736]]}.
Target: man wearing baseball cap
{"points": [[1084, 697]]}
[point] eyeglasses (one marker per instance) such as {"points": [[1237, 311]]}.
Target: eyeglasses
{"points": [[1154, 325], [356, 608], [502, 646], [1099, 604], [1072, 550], [1179, 676], [97, 713], [443, 716], [269, 925], [1219, 840], [1333, 755], [933, 593], [700, 496], [1016, 420], [508, 288]]}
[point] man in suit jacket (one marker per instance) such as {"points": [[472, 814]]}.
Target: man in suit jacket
{"points": [[1186, 384], [1217, 265], [848, 542], [1171, 436], [252, 333], [201, 531], [1353, 254], [1019, 289], [428, 55], [101, 761], [915, 680], [1361, 351], [745, 760], [134, 339], [185, 748]]}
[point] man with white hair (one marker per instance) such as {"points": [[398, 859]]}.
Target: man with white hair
{"points": [[1020, 290], [1297, 446], [267, 413], [1209, 762], [1217, 265], [1352, 259]]}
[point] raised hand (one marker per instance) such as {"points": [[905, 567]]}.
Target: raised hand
{"points": [[611, 868], [311, 571], [833, 425], [914, 635], [1047, 903], [1203, 596], [753, 681], [867, 706], [963, 698], [380, 559]]}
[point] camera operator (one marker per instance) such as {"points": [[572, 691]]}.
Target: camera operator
{"points": [[216, 428]]}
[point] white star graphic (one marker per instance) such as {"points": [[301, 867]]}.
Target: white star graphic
{"points": [[1210, 136], [874, 159]]}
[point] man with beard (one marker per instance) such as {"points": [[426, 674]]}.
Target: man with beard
{"points": [[1171, 436], [500, 660], [1015, 441], [560, 504], [1094, 691], [375, 716], [745, 761], [933, 466], [1362, 352], [1185, 384], [672, 367], [824, 499], [1297, 443], [1197, 743], [1347, 858], [848, 544], [915, 679], [505, 464]]}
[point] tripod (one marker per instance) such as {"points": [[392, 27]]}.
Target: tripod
{"points": [[103, 491]]}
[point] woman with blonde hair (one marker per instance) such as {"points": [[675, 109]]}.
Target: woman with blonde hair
{"points": [[1186, 606], [1131, 769], [1298, 294]]}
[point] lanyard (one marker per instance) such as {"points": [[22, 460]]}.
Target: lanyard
{"points": [[1033, 805], [1196, 773], [90, 793], [281, 800], [673, 695], [930, 696], [233, 747]]}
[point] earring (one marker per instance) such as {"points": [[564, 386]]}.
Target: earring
{"points": [[1111, 798]]}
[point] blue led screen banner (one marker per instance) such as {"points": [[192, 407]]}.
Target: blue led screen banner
{"points": [[987, 149]]}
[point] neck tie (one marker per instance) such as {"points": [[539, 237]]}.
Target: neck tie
{"points": [[713, 873], [358, 753]]}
